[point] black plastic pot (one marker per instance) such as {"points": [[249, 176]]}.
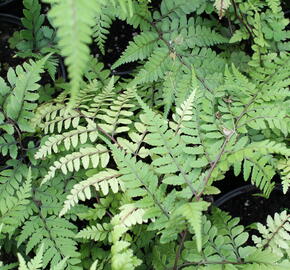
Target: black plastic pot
{"points": [[6, 3], [9, 18], [241, 202], [238, 192]]}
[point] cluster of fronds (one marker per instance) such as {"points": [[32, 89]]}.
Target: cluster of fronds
{"points": [[123, 172]]}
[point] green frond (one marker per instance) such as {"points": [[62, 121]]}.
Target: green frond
{"points": [[202, 36], [283, 166], [8, 146], [275, 236], [85, 157], [102, 181], [139, 49], [33, 264], [275, 5], [98, 232], [12, 178], [122, 256], [192, 212], [155, 67], [101, 28], [74, 21], [139, 180], [116, 117], [57, 236], [20, 103], [15, 209]]}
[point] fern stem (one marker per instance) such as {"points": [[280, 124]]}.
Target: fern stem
{"points": [[276, 231], [179, 57], [207, 177], [204, 263], [178, 252], [241, 19]]}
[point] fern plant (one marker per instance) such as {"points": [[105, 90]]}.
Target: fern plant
{"points": [[37, 39], [126, 169]]}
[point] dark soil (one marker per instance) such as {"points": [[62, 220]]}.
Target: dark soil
{"points": [[7, 58]]}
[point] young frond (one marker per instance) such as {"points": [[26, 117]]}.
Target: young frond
{"points": [[74, 20], [33, 264], [192, 212], [20, 103], [183, 113], [102, 181], [98, 232], [68, 139], [116, 117], [275, 236], [85, 157], [139, 49]]}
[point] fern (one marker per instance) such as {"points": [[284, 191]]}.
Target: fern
{"points": [[55, 234], [124, 170], [14, 209], [21, 100], [100, 181], [74, 21], [275, 236], [101, 29], [85, 157]]}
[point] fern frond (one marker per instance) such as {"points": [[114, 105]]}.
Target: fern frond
{"points": [[101, 28], [8, 145], [116, 118], [284, 167], [202, 36], [139, 180], [155, 67], [183, 113], [222, 6], [86, 157], [139, 49], [192, 212], [101, 181], [98, 232], [57, 236], [15, 209], [12, 178], [69, 139], [20, 104], [33, 264], [74, 21], [275, 236]]}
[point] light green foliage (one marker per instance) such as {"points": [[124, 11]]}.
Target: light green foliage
{"points": [[55, 234], [275, 235], [14, 209], [74, 20], [20, 101], [101, 28], [123, 173], [37, 262]]}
